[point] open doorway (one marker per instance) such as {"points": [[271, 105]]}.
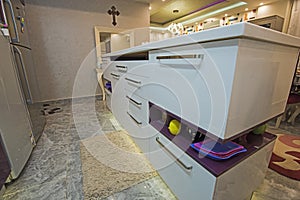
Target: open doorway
{"points": [[113, 39]]}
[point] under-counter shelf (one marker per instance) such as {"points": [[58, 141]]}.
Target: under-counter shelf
{"points": [[251, 142], [107, 85]]}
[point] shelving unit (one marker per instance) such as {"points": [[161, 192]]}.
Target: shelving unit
{"points": [[274, 22], [107, 85], [184, 139]]}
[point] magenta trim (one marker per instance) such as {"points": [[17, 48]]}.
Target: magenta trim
{"points": [[207, 6]]}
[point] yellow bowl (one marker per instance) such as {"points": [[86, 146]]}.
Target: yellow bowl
{"points": [[174, 127]]}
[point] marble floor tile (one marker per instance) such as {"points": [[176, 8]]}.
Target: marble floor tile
{"points": [[42, 167], [74, 186], [152, 189], [87, 130], [277, 187], [52, 190], [57, 137], [54, 170], [74, 164]]}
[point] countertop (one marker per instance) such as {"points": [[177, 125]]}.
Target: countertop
{"points": [[239, 30]]}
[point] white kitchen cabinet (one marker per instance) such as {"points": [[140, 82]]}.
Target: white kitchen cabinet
{"points": [[221, 83], [189, 180]]}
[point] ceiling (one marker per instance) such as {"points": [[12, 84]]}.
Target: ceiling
{"points": [[161, 13]]}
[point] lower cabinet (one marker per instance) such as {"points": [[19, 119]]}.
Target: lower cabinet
{"points": [[178, 166], [189, 180], [186, 178], [137, 103], [241, 180]]}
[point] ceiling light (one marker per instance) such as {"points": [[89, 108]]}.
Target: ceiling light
{"points": [[163, 0], [158, 28], [214, 13], [150, 7], [246, 9], [226, 15], [261, 4], [175, 11]]}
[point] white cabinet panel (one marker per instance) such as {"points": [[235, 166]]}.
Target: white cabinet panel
{"points": [[262, 82], [137, 106], [244, 177], [186, 178]]}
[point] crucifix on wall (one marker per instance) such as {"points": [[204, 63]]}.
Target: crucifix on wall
{"points": [[114, 12]]}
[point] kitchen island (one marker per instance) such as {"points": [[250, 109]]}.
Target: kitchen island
{"points": [[219, 84]]}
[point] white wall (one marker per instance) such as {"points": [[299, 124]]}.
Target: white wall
{"points": [[139, 36], [62, 40], [277, 8], [159, 35], [119, 41]]}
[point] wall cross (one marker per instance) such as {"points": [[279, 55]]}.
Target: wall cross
{"points": [[114, 12]]}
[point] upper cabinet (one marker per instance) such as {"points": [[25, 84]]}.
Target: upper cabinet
{"points": [[274, 22]]}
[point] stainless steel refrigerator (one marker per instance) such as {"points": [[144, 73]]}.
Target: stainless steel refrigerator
{"points": [[14, 12], [22, 118], [15, 125]]}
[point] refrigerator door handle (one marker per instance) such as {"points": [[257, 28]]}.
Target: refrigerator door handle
{"points": [[17, 51], [16, 39]]}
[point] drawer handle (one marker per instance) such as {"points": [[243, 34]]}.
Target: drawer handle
{"points": [[189, 168], [135, 120], [134, 101], [193, 56], [121, 67], [116, 76], [134, 81]]}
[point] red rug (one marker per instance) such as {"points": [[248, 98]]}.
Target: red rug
{"points": [[286, 156]]}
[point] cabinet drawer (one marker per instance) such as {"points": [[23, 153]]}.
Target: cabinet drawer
{"points": [[127, 66], [120, 66], [186, 178], [137, 105], [115, 75], [134, 82]]}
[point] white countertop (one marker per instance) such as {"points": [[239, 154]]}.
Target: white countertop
{"points": [[239, 30]]}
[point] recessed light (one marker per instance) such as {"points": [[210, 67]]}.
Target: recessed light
{"points": [[226, 15], [261, 4], [246, 9], [150, 7], [163, 0]]}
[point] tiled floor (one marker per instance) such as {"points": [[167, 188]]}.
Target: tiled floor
{"points": [[54, 168]]}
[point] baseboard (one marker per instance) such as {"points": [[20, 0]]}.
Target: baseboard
{"points": [[98, 97]]}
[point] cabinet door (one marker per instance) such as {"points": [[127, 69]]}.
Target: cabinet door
{"points": [[15, 123], [186, 178]]}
